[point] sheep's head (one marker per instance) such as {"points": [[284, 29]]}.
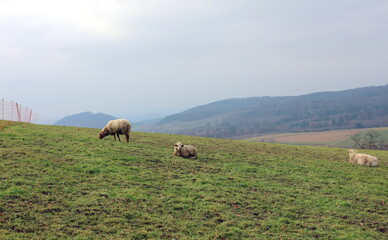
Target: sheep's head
{"points": [[178, 146], [352, 154], [103, 133]]}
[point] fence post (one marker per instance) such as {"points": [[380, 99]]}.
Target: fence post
{"points": [[18, 110], [29, 118]]}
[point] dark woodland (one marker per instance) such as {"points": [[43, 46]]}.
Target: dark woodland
{"points": [[356, 108]]}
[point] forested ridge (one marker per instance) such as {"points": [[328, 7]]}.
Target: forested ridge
{"points": [[355, 108]]}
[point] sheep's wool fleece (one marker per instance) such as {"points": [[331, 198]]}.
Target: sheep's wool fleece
{"points": [[121, 125], [187, 151], [363, 159]]}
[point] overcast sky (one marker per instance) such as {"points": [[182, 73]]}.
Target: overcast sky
{"points": [[144, 58]]}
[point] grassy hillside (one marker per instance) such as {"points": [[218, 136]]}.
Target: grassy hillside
{"points": [[63, 182], [337, 138]]}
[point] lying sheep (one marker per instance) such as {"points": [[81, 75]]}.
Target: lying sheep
{"points": [[185, 151], [363, 159], [116, 127]]}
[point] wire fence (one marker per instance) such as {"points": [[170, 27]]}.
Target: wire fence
{"points": [[13, 111]]}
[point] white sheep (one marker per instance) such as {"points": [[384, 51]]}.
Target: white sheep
{"points": [[185, 151], [363, 159], [116, 127]]}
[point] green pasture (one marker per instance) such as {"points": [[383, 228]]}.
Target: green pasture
{"points": [[350, 143], [65, 183]]}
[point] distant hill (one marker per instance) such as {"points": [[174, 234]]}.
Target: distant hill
{"points": [[354, 108], [85, 119]]}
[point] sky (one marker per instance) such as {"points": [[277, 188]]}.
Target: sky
{"points": [[140, 59]]}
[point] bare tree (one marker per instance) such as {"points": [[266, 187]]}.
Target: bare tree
{"points": [[370, 140]]}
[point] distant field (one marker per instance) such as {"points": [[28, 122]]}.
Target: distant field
{"points": [[65, 183], [338, 138]]}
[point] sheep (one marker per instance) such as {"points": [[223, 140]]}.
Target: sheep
{"points": [[185, 151], [363, 159], [116, 127]]}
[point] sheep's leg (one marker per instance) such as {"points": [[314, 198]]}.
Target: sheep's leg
{"points": [[118, 137], [127, 137]]}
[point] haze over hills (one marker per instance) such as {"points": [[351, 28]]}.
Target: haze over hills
{"points": [[243, 117], [85, 119], [354, 108]]}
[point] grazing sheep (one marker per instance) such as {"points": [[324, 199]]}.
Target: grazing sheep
{"points": [[363, 159], [116, 127], [185, 151]]}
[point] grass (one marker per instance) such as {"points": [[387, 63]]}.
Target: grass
{"points": [[63, 182]]}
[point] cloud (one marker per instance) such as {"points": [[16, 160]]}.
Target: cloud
{"points": [[98, 17], [91, 55]]}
